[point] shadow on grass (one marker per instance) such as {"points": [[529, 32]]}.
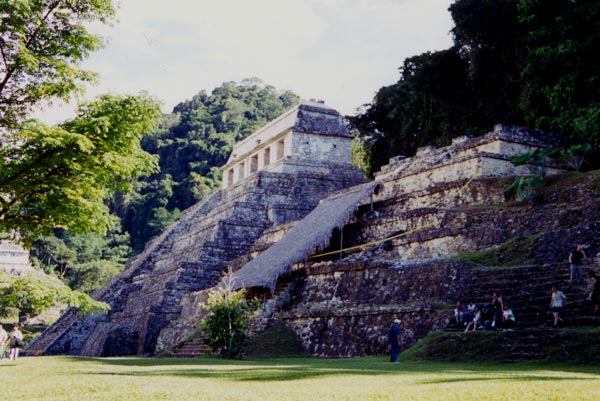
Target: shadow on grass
{"points": [[310, 368]]}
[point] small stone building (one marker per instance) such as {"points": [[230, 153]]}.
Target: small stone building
{"points": [[14, 259], [306, 139]]}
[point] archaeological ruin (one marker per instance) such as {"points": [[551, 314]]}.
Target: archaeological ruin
{"points": [[334, 257]]}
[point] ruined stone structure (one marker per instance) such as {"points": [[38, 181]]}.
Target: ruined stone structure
{"points": [[305, 139], [336, 259], [14, 259], [193, 254]]}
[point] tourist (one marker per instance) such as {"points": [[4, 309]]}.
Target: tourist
{"points": [[487, 316], [475, 321], [470, 312], [394, 340], [557, 303], [509, 320], [3, 340], [576, 259], [459, 312], [595, 292], [498, 311], [16, 342]]}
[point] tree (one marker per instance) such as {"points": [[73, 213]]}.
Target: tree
{"points": [[61, 176], [41, 45], [29, 296], [523, 62], [83, 261], [225, 325], [429, 105], [561, 71]]}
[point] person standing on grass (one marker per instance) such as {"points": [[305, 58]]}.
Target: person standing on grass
{"points": [[557, 302], [394, 340], [3, 340], [16, 342], [576, 260]]}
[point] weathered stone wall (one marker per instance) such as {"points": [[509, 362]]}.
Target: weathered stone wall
{"points": [[345, 309], [320, 148], [14, 259]]}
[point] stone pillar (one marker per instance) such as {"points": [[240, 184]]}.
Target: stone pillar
{"points": [[253, 164]]}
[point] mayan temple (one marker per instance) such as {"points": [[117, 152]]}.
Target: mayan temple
{"points": [[273, 178], [334, 257]]}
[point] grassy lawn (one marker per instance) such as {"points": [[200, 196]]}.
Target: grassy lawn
{"points": [[132, 379]]}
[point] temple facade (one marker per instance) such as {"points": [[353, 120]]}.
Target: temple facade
{"points": [[308, 138]]}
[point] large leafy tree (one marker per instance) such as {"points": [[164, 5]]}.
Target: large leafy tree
{"points": [[64, 175], [429, 105], [84, 261], [30, 296], [41, 45], [60, 176]]}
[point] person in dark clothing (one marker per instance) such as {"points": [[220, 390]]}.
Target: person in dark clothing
{"points": [[576, 259], [498, 311], [487, 316], [394, 340]]}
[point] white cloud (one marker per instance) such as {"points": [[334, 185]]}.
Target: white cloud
{"points": [[341, 51]]}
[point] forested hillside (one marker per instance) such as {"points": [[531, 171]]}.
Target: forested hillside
{"points": [[531, 63]]}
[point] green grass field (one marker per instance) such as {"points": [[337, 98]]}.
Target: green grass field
{"points": [[311, 379]]}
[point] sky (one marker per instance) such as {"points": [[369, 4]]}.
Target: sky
{"points": [[338, 51]]}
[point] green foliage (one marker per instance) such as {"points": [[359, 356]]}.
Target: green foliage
{"points": [[523, 62], [61, 176], [561, 71], [29, 296], [42, 44], [226, 322], [429, 105], [536, 161], [83, 261], [523, 187], [576, 155], [514, 252], [192, 143]]}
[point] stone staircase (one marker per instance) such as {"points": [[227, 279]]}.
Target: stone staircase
{"points": [[527, 291], [41, 343], [192, 348]]}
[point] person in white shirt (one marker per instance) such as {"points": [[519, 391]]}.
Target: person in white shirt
{"points": [[557, 302]]}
